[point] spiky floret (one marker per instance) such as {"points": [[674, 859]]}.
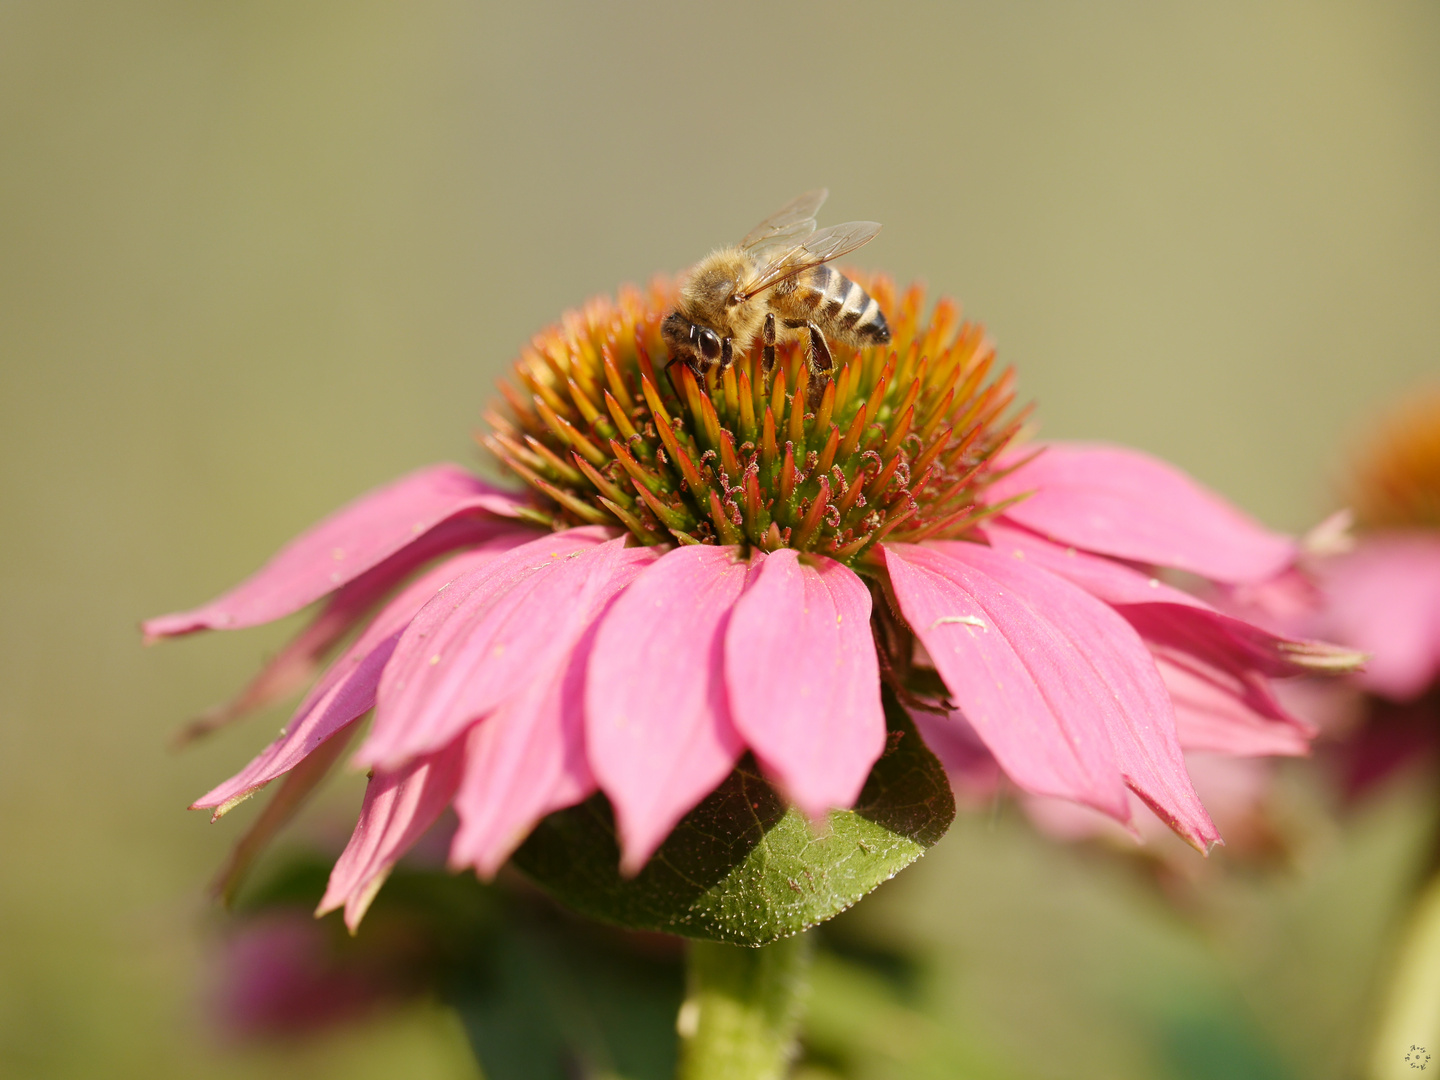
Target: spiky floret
{"points": [[1397, 483], [899, 445]]}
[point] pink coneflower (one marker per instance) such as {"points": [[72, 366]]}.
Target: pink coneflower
{"points": [[1383, 597], [279, 974], [703, 569]]}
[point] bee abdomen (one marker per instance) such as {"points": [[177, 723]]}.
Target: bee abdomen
{"points": [[865, 318], [842, 306]]}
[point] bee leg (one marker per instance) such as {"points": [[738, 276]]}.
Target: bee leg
{"points": [[817, 353], [821, 364], [727, 354], [673, 384], [768, 353], [819, 356]]}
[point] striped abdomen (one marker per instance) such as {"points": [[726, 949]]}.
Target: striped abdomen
{"points": [[841, 308]]}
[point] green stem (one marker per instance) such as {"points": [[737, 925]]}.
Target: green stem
{"points": [[742, 1009]]}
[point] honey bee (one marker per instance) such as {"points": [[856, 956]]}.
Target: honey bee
{"points": [[775, 281]]}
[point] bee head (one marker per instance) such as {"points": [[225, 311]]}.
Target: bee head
{"points": [[697, 345], [707, 341]]}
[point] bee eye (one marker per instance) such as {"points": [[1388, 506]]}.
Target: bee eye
{"points": [[709, 345]]}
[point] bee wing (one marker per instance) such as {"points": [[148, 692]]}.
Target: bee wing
{"points": [[793, 221], [819, 248]]}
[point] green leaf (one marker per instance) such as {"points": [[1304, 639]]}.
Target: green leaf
{"points": [[742, 867]]}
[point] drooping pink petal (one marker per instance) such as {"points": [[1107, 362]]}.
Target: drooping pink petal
{"points": [[1215, 684], [1384, 598], [293, 666], [1010, 672], [347, 691], [973, 771], [1286, 604], [399, 806], [658, 724], [1234, 790], [528, 758], [478, 643], [804, 679], [343, 703], [1131, 700], [293, 793], [388, 533], [1228, 710], [1123, 503], [1123, 588]]}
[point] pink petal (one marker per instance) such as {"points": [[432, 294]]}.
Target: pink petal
{"points": [[1233, 788], [973, 771], [528, 759], [804, 680], [1102, 577], [347, 692], [658, 720], [1287, 604], [1133, 703], [1216, 685], [1228, 710], [293, 793], [397, 810], [1123, 588], [1011, 674], [1123, 503], [1384, 598], [295, 664], [478, 643], [388, 532]]}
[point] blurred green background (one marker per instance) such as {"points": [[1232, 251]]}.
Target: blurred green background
{"points": [[258, 257]]}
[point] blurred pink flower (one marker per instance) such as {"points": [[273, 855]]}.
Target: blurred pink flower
{"points": [[279, 974], [1382, 597], [529, 668]]}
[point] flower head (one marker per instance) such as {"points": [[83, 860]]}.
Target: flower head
{"points": [[899, 445], [706, 568], [1396, 484]]}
